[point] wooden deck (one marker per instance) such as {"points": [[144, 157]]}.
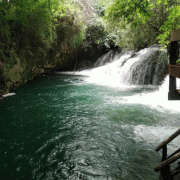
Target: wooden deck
{"points": [[174, 70]]}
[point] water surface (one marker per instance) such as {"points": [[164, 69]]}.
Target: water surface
{"points": [[67, 127]]}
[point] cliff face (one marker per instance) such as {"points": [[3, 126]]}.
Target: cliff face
{"points": [[24, 53], [15, 78]]}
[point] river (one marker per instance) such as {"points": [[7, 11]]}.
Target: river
{"points": [[77, 127]]}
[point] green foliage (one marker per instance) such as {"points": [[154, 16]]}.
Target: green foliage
{"points": [[36, 33], [161, 16], [132, 10], [69, 35], [172, 23], [97, 36], [178, 62]]}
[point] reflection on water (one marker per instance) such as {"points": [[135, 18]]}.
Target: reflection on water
{"points": [[67, 127]]}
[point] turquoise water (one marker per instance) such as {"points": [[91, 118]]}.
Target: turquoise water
{"points": [[64, 127]]}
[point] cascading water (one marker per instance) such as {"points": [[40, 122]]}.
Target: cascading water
{"points": [[148, 66], [106, 58], [103, 124], [128, 70]]}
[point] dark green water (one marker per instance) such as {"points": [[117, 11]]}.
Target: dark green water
{"points": [[63, 127]]}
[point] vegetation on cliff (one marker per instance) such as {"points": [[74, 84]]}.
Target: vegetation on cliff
{"points": [[31, 36]]}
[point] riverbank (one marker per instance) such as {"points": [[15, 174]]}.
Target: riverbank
{"points": [[16, 79], [10, 86]]}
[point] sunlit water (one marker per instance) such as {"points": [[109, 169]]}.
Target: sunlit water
{"points": [[74, 127]]}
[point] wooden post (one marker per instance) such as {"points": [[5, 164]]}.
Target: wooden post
{"points": [[174, 56], [165, 171]]}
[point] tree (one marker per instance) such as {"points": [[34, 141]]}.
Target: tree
{"points": [[161, 15]]}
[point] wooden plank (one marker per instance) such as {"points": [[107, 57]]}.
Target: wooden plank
{"points": [[168, 140], [174, 70], [175, 173], [174, 153], [175, 35], [167, 162]]}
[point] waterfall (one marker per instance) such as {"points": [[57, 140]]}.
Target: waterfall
{"points": [[128, 71], [146, 67], [107, 58], [150, 67]]}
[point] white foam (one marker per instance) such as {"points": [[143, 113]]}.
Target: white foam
{"points": [[155, 135], [9, 94], [116, 74], [157, 99], [104, 75]]}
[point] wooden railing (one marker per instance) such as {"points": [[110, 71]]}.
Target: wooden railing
{"points": [[164, 166]]}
